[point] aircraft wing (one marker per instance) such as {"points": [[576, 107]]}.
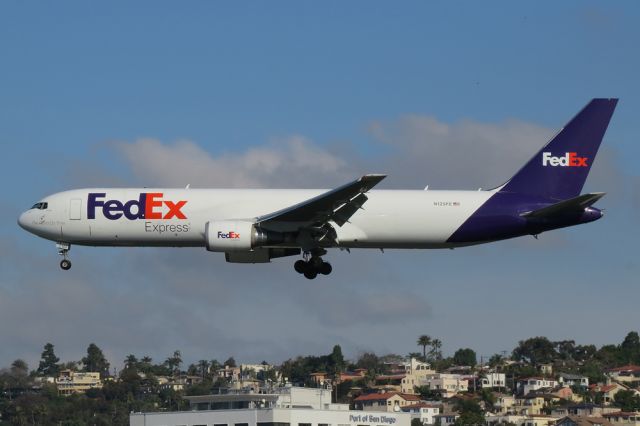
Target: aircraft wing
{"points": [[572, 205], [337, 205]]}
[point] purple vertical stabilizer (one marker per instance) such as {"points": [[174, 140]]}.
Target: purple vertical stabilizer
{"points": [[556, 173], [559, 170]]}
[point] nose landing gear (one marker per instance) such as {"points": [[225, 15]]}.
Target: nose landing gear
{"points": [[63, 249], [312, 264]]}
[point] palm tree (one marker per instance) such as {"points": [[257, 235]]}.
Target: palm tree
{"points": [[424, 341], [436, 345], [130, 361], [203, 366]]}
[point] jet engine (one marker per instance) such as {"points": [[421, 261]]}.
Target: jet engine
{"points": [[238, 235]]}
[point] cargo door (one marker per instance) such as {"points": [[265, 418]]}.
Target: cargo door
{"points": [[75, 209]]}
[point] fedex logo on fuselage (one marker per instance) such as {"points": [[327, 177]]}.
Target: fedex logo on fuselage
{"points": [[570, 159], [230, 235], [148, 206]]}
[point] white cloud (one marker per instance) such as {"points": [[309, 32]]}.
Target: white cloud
{"points": [[291, 162], [463, 155]]}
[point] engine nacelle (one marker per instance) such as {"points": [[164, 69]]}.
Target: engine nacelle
{"points": [[237, 235]]}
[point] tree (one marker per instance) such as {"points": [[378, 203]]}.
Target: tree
{"points": [[470, 413], [337, 360], [174, 362], [536, 350], [630, 348], [230, 362], [131, 362], [428, 394], [145, 365], [566, 349], [19, 366], [424, 341], [627, 400], [19, 373], [95, 361], [496, 360], [416, 422], [49, 362], [436, 350], [370, 362], [465, 356], [203, 367]]}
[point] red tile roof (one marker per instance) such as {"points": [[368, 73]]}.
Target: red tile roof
{"points": [[607, 388], [630, 367]]}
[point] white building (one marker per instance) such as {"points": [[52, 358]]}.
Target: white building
{"points": [[289, 406], [448, 384], [424, 411], [573, 380], [493, 380], [415, 373], [534, 383]]}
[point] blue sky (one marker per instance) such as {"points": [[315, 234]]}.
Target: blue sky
{"points": [[102, 94]]}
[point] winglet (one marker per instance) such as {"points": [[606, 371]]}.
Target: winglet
{"points": [[369, 181]]}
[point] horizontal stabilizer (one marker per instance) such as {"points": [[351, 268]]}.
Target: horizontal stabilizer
{"points": [[572, 205]]}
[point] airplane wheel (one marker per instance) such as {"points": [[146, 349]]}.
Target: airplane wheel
{"points": [[325, 268], [300, 266], [310, 274], [65, 264], [316, 263]]}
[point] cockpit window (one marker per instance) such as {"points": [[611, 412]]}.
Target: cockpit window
{"points": [[40, 206]]}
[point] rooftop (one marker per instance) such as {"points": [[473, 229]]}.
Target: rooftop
{"points": [[386, 395]]}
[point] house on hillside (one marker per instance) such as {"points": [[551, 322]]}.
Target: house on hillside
{"points": [[447, 384], [620, 418], [624, 374], [583, 421], [69, 382], [573, 380], [609, 391], [530, 384], [504, 403], [415, 374], [424, 411], [388, 401], [493, 380], [582, 410]]}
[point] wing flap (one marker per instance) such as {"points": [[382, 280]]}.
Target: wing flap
{"points": [[338, 204], [572, 205]]}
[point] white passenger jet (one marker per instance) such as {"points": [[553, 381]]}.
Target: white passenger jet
{"points": [[257, 225]]}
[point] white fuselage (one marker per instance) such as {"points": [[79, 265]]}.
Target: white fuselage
{"points": [[389, 219]]}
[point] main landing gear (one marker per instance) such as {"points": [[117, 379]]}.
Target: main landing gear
{"points": [[63, 249], [312, 264]]}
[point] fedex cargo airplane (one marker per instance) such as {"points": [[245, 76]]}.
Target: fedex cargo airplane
{"points": [[257, 225]]}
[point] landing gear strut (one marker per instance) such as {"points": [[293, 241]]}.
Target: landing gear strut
{"points": [[312, 264], [63, 249]]}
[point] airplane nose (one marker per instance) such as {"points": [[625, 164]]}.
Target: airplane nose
{"points": [[22, 221]]}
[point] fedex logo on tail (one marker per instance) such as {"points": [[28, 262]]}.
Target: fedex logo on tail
{"points": [[149, 206], [570, 159]]}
